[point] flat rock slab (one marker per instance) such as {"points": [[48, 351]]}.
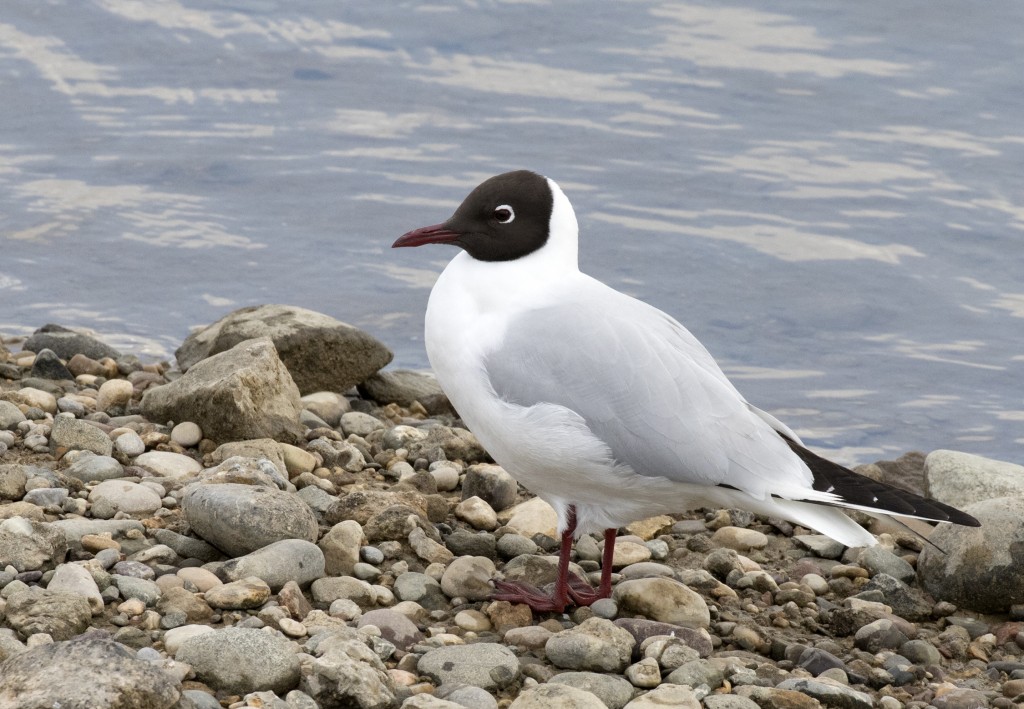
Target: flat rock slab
{"points": [[242, 393], [322, 354]]}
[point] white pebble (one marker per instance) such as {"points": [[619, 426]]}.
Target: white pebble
{"points": [[130, 444], [187, 434], [292, 628]]}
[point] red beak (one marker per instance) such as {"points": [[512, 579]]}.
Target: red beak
{"points": [[436, 234]]}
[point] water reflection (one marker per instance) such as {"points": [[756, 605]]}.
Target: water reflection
{"points": [[830, 198]]}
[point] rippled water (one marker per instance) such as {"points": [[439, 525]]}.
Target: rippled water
{"points": [[830, 195]]}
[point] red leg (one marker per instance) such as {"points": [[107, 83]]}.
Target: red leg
{"points": [[586, 595], [557, 600]]}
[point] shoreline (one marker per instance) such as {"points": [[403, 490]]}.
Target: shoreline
{"points": [[338, 545]]}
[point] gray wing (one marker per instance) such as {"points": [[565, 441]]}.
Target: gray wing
{"points": [[648, 389]]}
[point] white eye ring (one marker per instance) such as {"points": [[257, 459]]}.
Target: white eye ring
{"points": [[502, 219]]}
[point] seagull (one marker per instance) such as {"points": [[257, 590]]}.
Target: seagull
{"points": [[602, 405]]}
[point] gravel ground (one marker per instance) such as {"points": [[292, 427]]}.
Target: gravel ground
{"points": [[224, 536]]}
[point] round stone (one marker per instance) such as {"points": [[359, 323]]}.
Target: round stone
{"points": [[166, 464], [469, 577], [241, 660], [113, 496], [186, 434], [114, 393], [130, 444]]}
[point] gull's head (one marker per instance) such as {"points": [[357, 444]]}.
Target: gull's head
{"points": [[507, 217]]}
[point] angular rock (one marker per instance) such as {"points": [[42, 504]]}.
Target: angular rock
{"points": [[531, 517], [12, 481], [348, 674], [31, 546], [595, 645], [295, 560], [663, 599], [239, 519], [983, 567], [61, 615], [10, 416], [486, 665], [962, 479], [906, 601], [240, 394], [394, 627], [879, 560], [879, 635], [362, 505], [257, 448], [86, 672], [241, 660], [820, 545], [196, 609], [401, 386], [245, 593], [47, 365], [492, 484], [246, 471], [322, 354], [67, 343], [70, 434]]}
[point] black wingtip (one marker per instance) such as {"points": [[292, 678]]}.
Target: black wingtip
{"points": [[857, 489]]}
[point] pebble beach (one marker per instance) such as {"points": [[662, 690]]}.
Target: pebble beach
{"points": [[277, 519]]}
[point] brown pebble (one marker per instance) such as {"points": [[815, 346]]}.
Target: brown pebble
{"points": [[98, 542]]}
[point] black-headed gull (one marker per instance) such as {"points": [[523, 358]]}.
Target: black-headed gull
{"points": [[602, 405]]}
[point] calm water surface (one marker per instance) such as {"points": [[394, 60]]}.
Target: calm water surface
{"points": [[830, 195]]}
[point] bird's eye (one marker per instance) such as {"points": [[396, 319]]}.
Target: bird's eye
{"points": [[504, 214]]}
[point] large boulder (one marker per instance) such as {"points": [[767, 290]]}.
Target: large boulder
{"points": [[980, 568], [243, 393], [86, 672], [322, 354], [962, 479]]}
